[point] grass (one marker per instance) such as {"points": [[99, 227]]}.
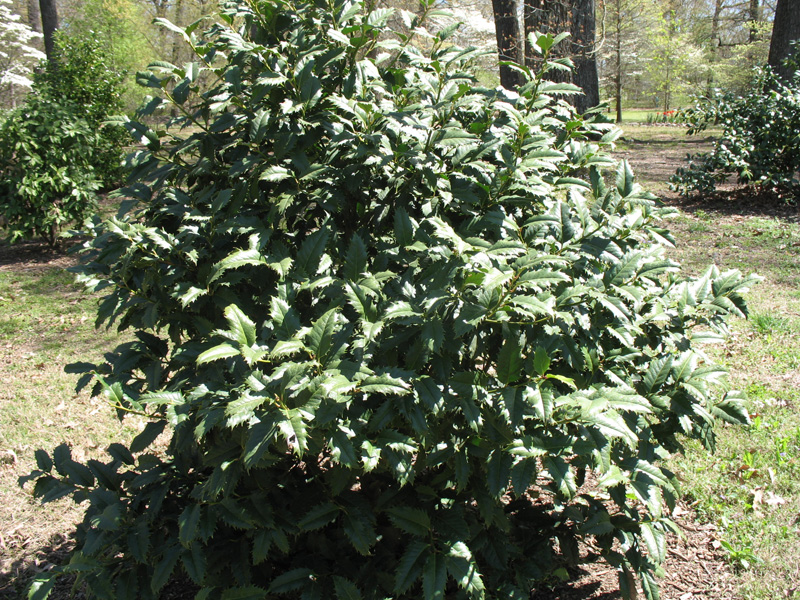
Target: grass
{"points": [[750, 487], [46, 322]]}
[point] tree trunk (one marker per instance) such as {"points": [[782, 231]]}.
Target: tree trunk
{"points": [[585, 76], [715, 42], [509, 43], [49, 26], [618, 64], [577, 17], [34, 16], [785, 29], [754, 12]]}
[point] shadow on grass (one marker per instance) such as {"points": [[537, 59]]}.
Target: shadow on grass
{"points": [[21, 572], [33, 255], [585, 584], [14, 582], [742, 202]]}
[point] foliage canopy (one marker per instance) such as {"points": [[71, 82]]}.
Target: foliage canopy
{"points": [[404, 339], [55, 149], [759, 144]]}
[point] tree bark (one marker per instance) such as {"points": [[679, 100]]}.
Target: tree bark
{"points": [[785, 29], [585, 76], [754, 12], [49, 26], [34, 16], [577, 17], [618, 60], [509, 42]]}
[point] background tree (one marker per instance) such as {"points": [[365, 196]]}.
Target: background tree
{"points": [[510, 45], [578, 18], [121, 30], [18, 56], [34, 16], [49, 14], [673, 62], [623, 40], [785, 30]]}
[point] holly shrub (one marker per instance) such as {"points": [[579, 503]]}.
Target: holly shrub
{"points": [[396, 335], [760, 141], [47, 180], [83, 75], [56, 150]]}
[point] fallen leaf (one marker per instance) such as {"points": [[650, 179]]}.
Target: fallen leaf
{"points": [[774, 499]]}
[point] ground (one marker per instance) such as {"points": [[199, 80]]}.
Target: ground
{"points": [[735, 489]]}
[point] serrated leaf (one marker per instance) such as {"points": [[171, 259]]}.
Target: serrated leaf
{"points": [[275, 174], [345, 589], [434, 577], [343, 450], [319, 516], [461, 566], [321, 335], [148, 435], [194, 563], [311, 251], [42, 586], [240, 325], [409, 567], [562, 475], [411, 520], [541, 360], [509, 361], [251, 592], [174, 28], [295, 431], [138, 539], [359, 531], [258, 126], [164, 568], [260, 437], [355, 263], [188, 522], [498, 472], [290, 581], [403, 227], [224, 350], [625, 179], [657, 374], [384, 384]]}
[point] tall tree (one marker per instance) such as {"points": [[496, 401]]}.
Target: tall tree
{"points": [[49, 26], [578, 18], [509, 41], [624, 38], [18, 56], [34, 16], [785, 29]]}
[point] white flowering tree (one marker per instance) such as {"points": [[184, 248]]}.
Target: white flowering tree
{"points": [[17, 55]]}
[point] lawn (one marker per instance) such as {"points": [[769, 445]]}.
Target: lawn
{"points": [[741, 503]]}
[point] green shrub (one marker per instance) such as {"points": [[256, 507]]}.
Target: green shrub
{"points": [[82, 75], [57, 150], [401, 338], [46, 177], [760, 141]]}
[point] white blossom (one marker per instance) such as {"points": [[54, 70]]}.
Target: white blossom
{"points": [[17, 56]]}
